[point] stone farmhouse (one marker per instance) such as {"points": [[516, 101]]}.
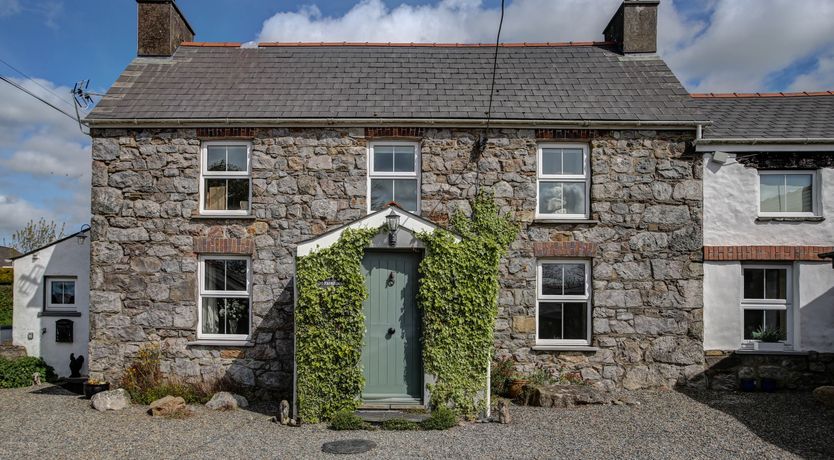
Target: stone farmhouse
{"points": [[216, 165]]}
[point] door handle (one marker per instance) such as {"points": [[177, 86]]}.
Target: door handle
{"points": [[391, 331]]}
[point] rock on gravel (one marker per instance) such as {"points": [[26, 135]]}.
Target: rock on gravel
{"points": [[168, 405], [110, 400], [224, 400], [825, 395]]}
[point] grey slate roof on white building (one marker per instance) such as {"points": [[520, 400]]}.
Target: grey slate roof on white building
{"points": [[772, 116], [590, 82]]}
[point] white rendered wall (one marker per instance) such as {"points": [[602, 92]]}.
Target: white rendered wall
{"points": [[731, 206], [813, 298], [68, 258]]}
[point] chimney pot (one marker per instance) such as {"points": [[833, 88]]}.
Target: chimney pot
{"points": [[162, 27], [634, 27]]}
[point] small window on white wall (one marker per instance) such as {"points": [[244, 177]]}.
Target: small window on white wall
{"points": [[60, 293], [563, 181], [225, 182], [394, 175], [224, 311], [563, 307], [766, 303], [787, 193]]}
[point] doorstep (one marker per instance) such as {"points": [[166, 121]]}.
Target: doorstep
{"points": [[376, 417]]}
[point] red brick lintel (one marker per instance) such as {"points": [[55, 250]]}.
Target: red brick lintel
{"points": [[211, 245], [564, 249], [765, 253]]}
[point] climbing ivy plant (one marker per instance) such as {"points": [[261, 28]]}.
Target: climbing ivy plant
{"points": [[458, 294], [330, 326]]}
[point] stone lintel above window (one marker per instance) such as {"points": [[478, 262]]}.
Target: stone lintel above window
{"points": [[581, 249], [209, 245]]}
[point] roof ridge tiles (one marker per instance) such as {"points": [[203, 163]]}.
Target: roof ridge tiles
{"points": [[433, 45], [760, 95]]}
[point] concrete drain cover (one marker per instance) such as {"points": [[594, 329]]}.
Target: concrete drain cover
{"points": [[348, 446]]}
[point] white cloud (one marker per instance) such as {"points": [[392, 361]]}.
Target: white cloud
{"points": [[9, 7], [736, 47], [821, 78], [47, 153]]}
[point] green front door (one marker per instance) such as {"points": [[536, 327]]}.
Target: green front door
{"points": [[391, 352]]}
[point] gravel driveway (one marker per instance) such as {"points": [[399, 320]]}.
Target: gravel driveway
{"points": [[48, 422]]}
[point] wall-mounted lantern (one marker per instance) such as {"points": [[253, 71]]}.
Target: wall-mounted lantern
{"points": [[82, 235], [393, 222]]}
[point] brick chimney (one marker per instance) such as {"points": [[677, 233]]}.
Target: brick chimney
{"points": [[634, 27], [162, 27]]}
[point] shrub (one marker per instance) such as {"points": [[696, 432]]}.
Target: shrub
{"points": [[6, 308], [18, 372], [399, 424], [502, 373], [144, 381], [442, 418], [347, 420], [6, 275], [541, 377], [767, 334]]}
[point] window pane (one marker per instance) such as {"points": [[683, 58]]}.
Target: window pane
{"points": [[776, 284], [236, 159], [57, 293], [235, 275], [382, 193], [238, 199], [562, 198], [753, 320], [225, 315], [551, 161], [777, 319], [576, 320], [550, 320], [574, 279], [771, 192], [215, 198], [798, 193], [405, 194], [551, 279], [383, 158], [404, 159], [69, 292], [572, 162], [215, 158], [215, 275], [754, 283]]}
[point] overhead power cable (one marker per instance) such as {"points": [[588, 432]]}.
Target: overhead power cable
{"points": [[23, 74], [21, 88]]}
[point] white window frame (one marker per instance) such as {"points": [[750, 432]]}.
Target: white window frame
{"points": [[48, 305], [586, 298], [205, 174], [372, 174], [585, 177], [225, 294], [815, 205], [770, 304]]}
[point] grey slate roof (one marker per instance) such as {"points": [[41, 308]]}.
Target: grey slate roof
{"points": [[797, 116], [533, 83]]}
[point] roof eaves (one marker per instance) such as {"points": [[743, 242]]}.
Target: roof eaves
{"points": [[50, 244]]}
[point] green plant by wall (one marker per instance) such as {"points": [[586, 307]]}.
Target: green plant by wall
{"points": [[458, 294], [6, 305], [6, 275], [330, 327], [18, 372]]}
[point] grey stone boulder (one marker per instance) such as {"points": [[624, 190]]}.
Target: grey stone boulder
{"points": [[110, 400], [825, 395], [223, 400], [167, 406]]}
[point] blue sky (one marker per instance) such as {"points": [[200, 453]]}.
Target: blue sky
{"points": [[712, 45]]}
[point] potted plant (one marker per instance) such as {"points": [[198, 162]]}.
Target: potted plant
{"points": [[517, 382], [93, 386], [768, 339], [233, 312]]}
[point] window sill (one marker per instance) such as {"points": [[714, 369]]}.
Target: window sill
{"points": [[540, 220], [564, 348], [220, 343], [222, 216], [790, 219], [59, 314], [770, 352]]}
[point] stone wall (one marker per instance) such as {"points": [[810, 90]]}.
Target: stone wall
{"points": [[792, 371], [645, 235]]}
